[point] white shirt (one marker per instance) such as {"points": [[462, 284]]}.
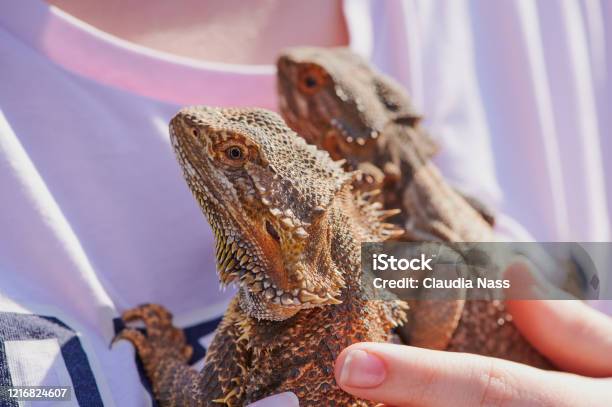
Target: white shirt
{"points": [[96, 218]]}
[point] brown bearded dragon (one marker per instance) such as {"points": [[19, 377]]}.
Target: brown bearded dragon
{"points": [[288, 228], [336, 101]]}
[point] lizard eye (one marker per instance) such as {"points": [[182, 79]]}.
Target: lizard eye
{"points": [[310, 82], [232, 153], [311, 79], [235, 153]]}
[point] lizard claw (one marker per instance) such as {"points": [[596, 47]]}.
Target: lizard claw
{"points": [[136, 338], [154, 316], [162, 339]]}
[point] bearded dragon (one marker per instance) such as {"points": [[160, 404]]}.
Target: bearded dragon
{"points": [[288, 228], [288, 225], [335, 100]]}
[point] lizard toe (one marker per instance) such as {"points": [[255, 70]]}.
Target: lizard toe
{"points": [[155, 317], [136, 338], [161, 336]]}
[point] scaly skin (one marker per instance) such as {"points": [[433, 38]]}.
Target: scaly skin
{"points": [[336, 101], [288, 229]]}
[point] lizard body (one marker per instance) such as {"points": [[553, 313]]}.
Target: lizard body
{"points": [[335, 100], [288, 228]]}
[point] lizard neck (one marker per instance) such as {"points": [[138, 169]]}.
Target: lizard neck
{"points": [[430, 206], [346, 248], [352, 221], [407, 148]]}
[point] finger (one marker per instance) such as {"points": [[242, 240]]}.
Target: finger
{"points": [[286, 399], [572, 335], [527, 285], [400, 375]]}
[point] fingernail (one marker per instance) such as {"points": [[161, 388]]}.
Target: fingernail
{"points": [[362, 369]]}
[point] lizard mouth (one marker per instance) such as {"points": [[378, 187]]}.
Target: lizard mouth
{"points": [[237, 263], [259, 296], [351, 134], [233, 259], [272, 231]]}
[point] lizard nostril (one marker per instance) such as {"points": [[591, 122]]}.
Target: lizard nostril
{"points": [[270, 229]]}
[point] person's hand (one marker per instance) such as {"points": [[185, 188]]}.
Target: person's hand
{"points": [[573, 336]]}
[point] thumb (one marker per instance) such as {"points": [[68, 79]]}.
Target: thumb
{"points": [[401, 375]]}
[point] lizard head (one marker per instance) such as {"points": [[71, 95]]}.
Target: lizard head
{"points": [[334, 99], [265, 193]]}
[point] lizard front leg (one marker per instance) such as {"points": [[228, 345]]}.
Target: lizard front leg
{"points": [[164, 354]]}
